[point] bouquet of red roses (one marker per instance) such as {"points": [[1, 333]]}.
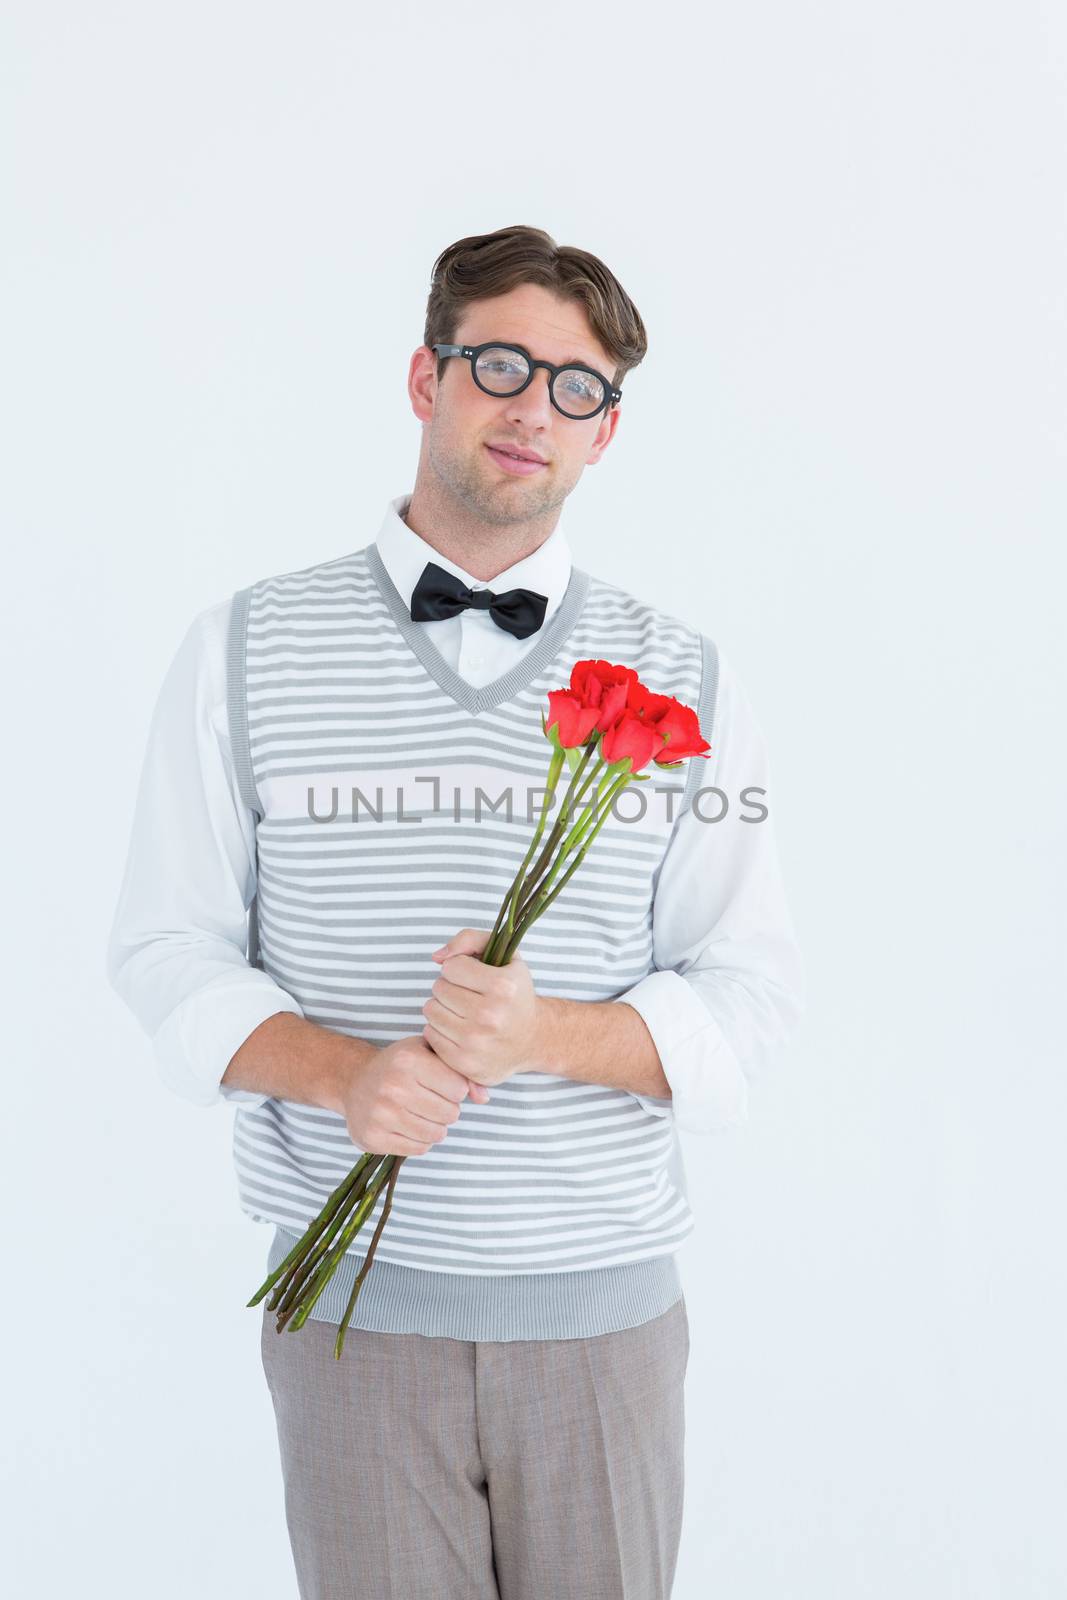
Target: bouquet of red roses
{"points": [[606, 726]]}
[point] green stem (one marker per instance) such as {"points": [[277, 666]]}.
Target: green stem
{"points": [[505, 944], [573, 798], [554, 768], [362, 1273], [544, 898], [571, 842], [348, 1233], [519, 894], [308, 1269], [288, 1294], [312, 1231], [506, 911]]}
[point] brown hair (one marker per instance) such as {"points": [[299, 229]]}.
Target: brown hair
{"points": [[488, 264]]}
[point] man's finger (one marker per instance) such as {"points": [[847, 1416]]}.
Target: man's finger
{"points": [[468, 972], [468, 941]]}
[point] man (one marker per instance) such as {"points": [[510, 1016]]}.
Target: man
{"points": [[353, 751]]}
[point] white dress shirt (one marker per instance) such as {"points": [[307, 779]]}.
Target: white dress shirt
{"points": [[729, 984]]}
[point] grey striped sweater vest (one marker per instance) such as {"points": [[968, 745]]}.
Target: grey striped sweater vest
{"points": [[394, 804]]}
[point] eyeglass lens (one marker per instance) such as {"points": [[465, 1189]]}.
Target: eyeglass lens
{"points": [[502, 371]]}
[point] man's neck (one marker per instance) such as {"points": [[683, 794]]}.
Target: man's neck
{"points": [[484, 549]]}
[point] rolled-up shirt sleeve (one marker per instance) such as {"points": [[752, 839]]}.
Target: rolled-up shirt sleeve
{"points": [[728, 988], [177, 951]]}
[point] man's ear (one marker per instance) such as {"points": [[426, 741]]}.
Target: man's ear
{"points": [[604, 435], [423, 387]]}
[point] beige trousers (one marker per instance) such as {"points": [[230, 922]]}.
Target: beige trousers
{"points": [[421, 1468]]}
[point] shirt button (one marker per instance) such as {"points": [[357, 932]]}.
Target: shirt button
{"points": [[474, 661]]}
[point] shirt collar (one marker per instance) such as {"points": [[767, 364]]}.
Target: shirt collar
{"points": [[405, 553]]}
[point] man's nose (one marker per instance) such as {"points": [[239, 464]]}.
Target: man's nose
{"points": [[535, 400]]}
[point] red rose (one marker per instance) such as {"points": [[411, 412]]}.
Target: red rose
{"points": [[630, 737], [573, 721], [603, 685], [606, 698], [676, 724]]}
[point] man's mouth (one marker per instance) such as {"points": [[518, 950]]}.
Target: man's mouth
{"points": [[510, 462]]}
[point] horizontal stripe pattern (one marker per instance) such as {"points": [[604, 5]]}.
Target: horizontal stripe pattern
{"points": [[328, 684]]}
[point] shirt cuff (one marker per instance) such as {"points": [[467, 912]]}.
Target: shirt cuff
{"points": [[708, 1087], [200, 1037]]}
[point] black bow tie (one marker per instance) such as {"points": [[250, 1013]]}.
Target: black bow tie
{"points": [[439, 594]]}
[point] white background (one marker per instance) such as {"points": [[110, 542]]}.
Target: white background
{"points": [[843, 458]]}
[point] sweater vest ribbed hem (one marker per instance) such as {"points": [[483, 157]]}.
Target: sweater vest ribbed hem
{"points": [[493, 1306]]}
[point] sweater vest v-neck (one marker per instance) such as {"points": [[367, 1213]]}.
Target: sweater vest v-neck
{"points": [[394, 804]]}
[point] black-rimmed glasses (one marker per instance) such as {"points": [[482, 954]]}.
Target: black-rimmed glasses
{"points": [[576, 391]]}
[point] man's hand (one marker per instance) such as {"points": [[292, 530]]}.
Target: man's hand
{"points": [[483, 1021], [404, 1099]]}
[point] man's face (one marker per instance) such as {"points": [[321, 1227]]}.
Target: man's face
{"points": [[462, 422]]}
